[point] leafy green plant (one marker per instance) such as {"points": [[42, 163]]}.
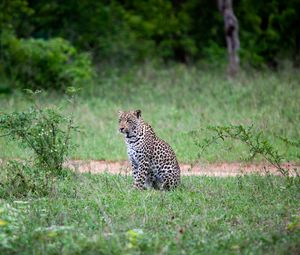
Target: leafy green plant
{"points": [[47, 64], [255, 141], [45, 131], [293, 143]]}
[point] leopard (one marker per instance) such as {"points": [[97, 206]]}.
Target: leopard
{"points": [[153, 161]]}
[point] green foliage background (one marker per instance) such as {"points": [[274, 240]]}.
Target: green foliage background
{"points": [[55, 44], [39, 63], [126, 31]]}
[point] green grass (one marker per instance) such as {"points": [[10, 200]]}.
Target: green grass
{"points": [[101, 214], [175, 101]]}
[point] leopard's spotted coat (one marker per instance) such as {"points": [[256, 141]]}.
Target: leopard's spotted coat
{"points": [[153, 161]]}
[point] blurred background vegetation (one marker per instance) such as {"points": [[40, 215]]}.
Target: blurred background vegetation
{"points": [[38, 37], [167, 58]]}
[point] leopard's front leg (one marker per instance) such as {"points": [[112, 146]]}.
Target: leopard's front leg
{"points": [[140, 176]]}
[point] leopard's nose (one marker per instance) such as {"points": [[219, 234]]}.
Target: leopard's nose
{"points": [[121, 130]]}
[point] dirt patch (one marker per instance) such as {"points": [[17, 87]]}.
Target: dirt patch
{"points": [[215, 169]]}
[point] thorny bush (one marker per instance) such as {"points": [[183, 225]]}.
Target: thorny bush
{"points": [[47, 133], [254, 140]]}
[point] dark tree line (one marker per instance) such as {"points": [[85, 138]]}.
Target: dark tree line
{"points": [[177, 30]]}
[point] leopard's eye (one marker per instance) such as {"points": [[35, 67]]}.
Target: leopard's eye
{"points": [[130, 121]]}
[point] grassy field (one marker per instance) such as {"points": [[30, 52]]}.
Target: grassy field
{"points": [[102, 214], [176, 101]]}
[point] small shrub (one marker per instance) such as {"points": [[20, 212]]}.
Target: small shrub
{"points": [[46, 64], [45, 131], [48, 134], [255, 141]]}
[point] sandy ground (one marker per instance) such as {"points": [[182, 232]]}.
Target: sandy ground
{"points": [[201, 169]]}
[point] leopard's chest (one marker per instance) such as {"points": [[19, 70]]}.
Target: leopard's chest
{"points": [[135, 151], [132, 153]]}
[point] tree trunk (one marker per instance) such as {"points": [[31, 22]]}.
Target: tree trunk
{"points": [[232, 36]]}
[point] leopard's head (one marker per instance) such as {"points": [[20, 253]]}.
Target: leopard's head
{"points": [[129, 122]]}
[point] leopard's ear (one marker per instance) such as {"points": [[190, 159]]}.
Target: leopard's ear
{"points": [[138, 113], [120, 113]]}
